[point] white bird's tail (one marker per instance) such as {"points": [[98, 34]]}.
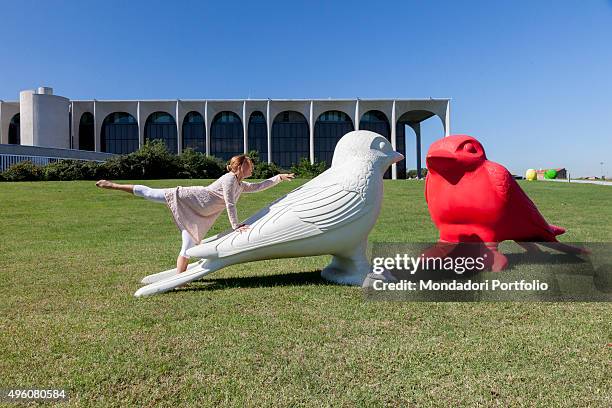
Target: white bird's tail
{"points": [[156, 277], [173, 280]]}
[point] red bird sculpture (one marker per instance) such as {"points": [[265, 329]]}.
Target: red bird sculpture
{"points": [[472, 199]]}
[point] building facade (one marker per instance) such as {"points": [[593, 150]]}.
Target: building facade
{"points": [[282, 131]]}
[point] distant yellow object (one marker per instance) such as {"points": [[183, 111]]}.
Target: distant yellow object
{"points": [[531, 175]]}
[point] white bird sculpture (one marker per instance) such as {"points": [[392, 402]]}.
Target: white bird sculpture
{"points": [[331, 214]]}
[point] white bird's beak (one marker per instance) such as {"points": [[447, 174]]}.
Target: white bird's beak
{"points": [[397, 157]]}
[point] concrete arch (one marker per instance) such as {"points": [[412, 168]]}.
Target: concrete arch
{"points": [[146, 108], [417, 116], [413, 119], [193, 130], [214, 107], [366, 105], [304, 107], [182, 108], [345, 106], [276, 107], [250, 106], [258, 134], [7, 111], [102, 110], [290, 138], [86, 132], [420, 110], [119, 133], [330, 126], [161, 125], [226, 135]]}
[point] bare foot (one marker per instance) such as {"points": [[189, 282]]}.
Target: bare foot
{"points": [[104, 184]]}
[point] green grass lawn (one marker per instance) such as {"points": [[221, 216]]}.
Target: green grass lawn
{"points": [[272, 333]]}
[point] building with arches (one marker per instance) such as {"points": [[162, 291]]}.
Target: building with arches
{"points": [[283, 131]]}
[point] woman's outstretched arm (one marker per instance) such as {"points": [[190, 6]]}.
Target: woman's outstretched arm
{"points": [[128, 188], [262, 185]]}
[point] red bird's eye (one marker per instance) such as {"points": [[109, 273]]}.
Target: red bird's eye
{"points": [[468, 147]]}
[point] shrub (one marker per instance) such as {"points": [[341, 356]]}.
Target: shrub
{"points": [[254, 156], [263, 170], [23, 171], [110, 169], [266, 170], [70, 170], [91, 170], [304, 169], [151, 161], [413, 173], [199, 165]]}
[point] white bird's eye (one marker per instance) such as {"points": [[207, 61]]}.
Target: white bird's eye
{"points": [[381, 145]]}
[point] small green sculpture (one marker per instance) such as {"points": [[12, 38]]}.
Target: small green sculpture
{"points": [[550, 174]]}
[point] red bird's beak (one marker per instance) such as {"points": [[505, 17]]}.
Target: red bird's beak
{"points": [[440, 159]]}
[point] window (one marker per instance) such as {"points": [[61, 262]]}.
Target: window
{"points": [[86, 132], [161, 126], [226, 136], [119, 133], [14, 136], [194, 132], [258, 135], [329, 128], [290, 139]]}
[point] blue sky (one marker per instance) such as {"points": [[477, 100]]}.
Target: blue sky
{"points": [[532, 80]]}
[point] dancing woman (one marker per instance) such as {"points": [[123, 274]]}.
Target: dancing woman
{"points": [[195, 209]]}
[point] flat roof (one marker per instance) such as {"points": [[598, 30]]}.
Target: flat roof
{"points": [[256, 100], [265, 100]]}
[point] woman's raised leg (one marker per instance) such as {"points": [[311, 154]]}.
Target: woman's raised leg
{"points": [[152, 194]]}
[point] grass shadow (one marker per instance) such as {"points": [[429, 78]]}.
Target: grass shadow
{"points": [[263, 281], [543, 258]]}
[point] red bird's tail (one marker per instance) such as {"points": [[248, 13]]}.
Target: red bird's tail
{"points": [[559, 246], [556, 230]]}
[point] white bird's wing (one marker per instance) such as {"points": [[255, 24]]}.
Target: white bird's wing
{"points": [[305, 212]]}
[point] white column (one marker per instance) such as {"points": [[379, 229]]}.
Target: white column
{"points": [[269, 127], [2, 126], [97, 131], [179, 133], [140, 129], [447, 120], [311, 128], [417, 131], [393, 141], [357, 117], [71, 142], [207, 128], [245, 129]]}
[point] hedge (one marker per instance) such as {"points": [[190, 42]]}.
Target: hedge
{"points": [[152, 161]]}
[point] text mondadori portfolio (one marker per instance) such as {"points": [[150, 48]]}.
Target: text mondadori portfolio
{"points": [[455, 285]]}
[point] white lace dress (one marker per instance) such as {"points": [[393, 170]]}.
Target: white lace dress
{"points": [[195, 209]]}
